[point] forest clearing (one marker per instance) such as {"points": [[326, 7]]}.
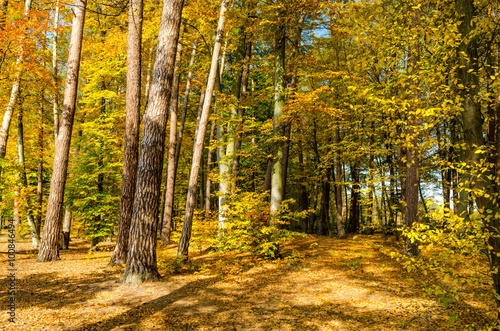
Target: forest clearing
{"points": [[318, 288], [250, 164]]}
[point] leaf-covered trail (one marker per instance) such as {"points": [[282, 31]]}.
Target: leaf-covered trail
{"points": [[336, 285]]}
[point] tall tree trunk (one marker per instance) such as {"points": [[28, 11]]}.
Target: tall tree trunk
{"points": [[166, 221], [131, 140], [141, 258], [49, 249], [172, 170], [35, 236], [39, 189], [412, 158], [338, 188], [55, 99], [279, 101], [200, 135], [14, 94]]}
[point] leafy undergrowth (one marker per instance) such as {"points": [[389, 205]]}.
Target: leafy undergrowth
{"points": [[320, 284]]}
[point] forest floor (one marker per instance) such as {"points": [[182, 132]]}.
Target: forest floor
{"points": [[323, 284]]}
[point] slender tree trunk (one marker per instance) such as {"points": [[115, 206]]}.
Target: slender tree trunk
{"points": [[49, 249], [199, 136], [39, 190], [172, 170], [209, 168], [338, 188], [304, 203], [141, 258], [35, 236], [55, 99], [354, 214], [279, 101], [14, 94], [324, 219], [166, 218], [131, 140], [412, 158]]}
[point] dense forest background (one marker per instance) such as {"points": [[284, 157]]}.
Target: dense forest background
{"points": [[252, 121]]}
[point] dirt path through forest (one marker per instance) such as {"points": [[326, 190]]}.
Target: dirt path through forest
{"points": [[327, 284]]}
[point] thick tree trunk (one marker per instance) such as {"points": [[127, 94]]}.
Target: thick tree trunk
{"points": [[200, 135], [141, 258], [279, 101], [49, 249], [166, 218], [131, 140]]}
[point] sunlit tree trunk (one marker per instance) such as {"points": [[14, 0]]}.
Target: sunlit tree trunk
{"points": [[279, 101], [14, 93], [172, 170], [166, 223], [55, 99], [49, 249], [131, 140], [141, 258], [39, 189], [200, 135]]}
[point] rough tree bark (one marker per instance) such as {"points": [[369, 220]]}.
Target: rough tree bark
{"points": [[131, 141], [49, 249], [200, 135], [55, 99], [141, 258]]}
